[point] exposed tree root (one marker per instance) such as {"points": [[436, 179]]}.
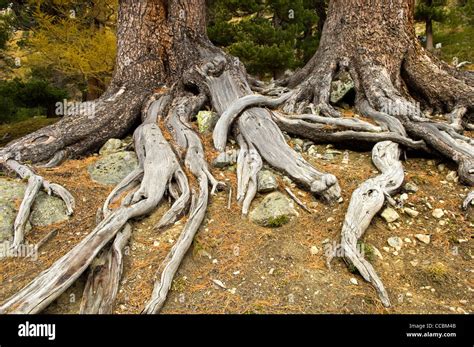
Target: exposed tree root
{"points": [[104, 277], [35, 183], [365, 202]]}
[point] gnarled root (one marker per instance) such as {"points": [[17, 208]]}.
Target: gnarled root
{"points": [[365, 202], [104, 277], [35, 183]]}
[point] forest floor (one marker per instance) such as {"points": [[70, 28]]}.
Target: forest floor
{"points": [[235, 266]]}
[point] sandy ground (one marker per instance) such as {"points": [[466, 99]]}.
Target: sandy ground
{"points": [[262, 270]]}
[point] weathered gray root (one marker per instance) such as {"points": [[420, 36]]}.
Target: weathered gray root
{"points": [[468, 201], [321, 133], [249, 164], [235, 109], [258, 129], [104, 277], [159, 164], [35, 183], [365, 202], [190, 144]]}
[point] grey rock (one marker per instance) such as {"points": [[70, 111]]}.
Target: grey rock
{"points": [[273, 211], [410, 187], [113, 168], [411, 212], [111, 146], [267, 181], [390, 215], [328, 156], [438, 213], [206, 121], [395, 242], [46, 209], [426, 239], [313, 150], [340, 87], [226, 158]]}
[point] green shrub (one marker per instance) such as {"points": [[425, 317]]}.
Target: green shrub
{"points": [[20, 100]]}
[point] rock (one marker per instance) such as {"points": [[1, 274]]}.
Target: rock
{"points": [[390, 215], [341, 87], [314, 250], [395, 242], [46, 209], [274, 210], [206, 121], [111, 146], [226, 158], [298, 142], [328, 156], [411, 212], [404, 197], [377, 253], [438, 213], [267, 181], [452, 176], [423, 238], [313, 151], [354, 281], [441, 167], [113, 168], [410, 187]]}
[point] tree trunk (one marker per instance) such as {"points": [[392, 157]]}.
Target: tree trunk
{"points": [[429, 35]]}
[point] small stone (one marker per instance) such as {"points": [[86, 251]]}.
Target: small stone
{"points": [[156, 244], [404, 197], [219, 283], [354, 281], [438, 213], [226, 159], [314, 250], [414, 263], [271, 271], [233, 290], [409, 295], [441, 167], [423, 238], [452, 176], [298, 142], [386, 249], [395, 242], [313, 151], [328, 156], [377, 253], [390, 215], [410, 187], [267, 181], [411, 212]]}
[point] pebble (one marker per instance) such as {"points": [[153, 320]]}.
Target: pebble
{"points": [[411, 212], [395, 242], [314, 250], [423, 238], [438, 213], [390, 215], [354, 281]]}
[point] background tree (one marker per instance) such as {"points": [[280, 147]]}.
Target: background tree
{"points": [[430, 11], [269, 36]]}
